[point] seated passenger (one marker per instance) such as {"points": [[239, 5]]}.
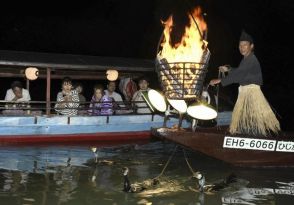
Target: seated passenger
{"points": [[68, 99], [140, 103], [100, 104], [110, 92], [16, 94], [79, 88]]}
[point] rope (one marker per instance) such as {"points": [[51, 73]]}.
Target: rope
{"points": [[190, 167], [168, 161], [217, 90]]}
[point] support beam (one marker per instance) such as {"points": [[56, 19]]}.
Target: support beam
{"points": [[48, 91]]}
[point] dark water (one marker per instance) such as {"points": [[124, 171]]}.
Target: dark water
{"points": [[51, 174]]}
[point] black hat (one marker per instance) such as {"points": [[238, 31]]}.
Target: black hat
{"points": [[246, 37]]}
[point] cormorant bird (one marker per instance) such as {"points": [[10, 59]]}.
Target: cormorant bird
{"points": [[136, 187], [203, 187]]}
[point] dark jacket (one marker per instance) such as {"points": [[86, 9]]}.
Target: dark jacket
{"points": [[248, 72]]}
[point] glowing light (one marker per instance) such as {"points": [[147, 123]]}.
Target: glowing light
{"points": [[111, 75], [155, 100], [179, 105], [202, 111], [189, 49], [32, 73]]}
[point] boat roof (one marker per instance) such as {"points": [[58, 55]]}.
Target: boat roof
{"points": [[73, 62], [13, 64]]}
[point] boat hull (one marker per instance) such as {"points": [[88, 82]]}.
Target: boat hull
{"points": [[80, 128], [210, 141], [86, 128], [82, 137]]}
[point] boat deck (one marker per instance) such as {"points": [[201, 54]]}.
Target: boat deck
{"points": [[217, 143]]}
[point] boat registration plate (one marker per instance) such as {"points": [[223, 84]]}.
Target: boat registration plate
{"points": [[285, 146], [249, 143]]}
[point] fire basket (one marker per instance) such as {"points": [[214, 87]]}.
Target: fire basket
{"points": [[181, 68], [182, 80]]}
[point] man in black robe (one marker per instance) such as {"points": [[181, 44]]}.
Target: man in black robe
{"points": [[252, 114]]}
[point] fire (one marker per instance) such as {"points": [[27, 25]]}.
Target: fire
{"points": [[190, 48], [182, 67]]}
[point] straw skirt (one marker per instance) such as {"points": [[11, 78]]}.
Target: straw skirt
{"points": [[252, 114]]}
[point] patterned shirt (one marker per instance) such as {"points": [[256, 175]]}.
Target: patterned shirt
{"points": [[104, 106], [69, 108]]}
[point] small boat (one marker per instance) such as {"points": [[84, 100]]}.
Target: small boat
{"points": [[243, 151]]}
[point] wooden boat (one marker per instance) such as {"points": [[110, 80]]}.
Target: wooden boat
{"points": [[49, 127], [236, 150], [79, 128]]}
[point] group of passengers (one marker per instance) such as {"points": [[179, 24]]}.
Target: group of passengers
{"points": [[71, 101]]}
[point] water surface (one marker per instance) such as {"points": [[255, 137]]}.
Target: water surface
{"points": [[75, 174]]}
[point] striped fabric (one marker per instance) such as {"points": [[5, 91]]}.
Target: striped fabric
{"points": [[69, 106]]}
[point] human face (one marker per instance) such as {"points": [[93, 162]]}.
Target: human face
{"points": [[143, 84], [245, 48], [66, 87], [98, 94], [111, 87], [79, 89], [17, 92]]}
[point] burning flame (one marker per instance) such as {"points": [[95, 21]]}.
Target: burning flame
{"points": [[183, 66], [190, 48]]}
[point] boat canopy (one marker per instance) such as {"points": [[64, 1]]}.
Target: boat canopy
{"points": [[57, 66], [12, 64]]}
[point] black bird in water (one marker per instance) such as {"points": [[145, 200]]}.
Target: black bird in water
{"points": [[136, 187], [203, 187]]}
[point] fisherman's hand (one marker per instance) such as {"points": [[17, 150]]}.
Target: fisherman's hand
{"points": [[214, 81], [223, 68]]}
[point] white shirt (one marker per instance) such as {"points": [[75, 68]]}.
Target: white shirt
{"points": [[142, 106], [25, 95], [116, 96]]}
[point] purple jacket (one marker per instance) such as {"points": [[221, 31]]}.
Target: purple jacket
{"points": [[104, 106]]}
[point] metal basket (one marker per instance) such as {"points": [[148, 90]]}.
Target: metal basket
{"points": [[182, 80]]}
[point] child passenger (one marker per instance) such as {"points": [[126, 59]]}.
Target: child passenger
{"points": [[100, 104], [67, 99]]}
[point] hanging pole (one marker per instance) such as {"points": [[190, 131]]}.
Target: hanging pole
{"points": [[189, 6]]}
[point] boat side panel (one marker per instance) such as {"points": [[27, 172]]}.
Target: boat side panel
{"points": [[82, 125]]}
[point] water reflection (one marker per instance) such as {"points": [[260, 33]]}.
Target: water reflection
{"points": [[92, 175]]}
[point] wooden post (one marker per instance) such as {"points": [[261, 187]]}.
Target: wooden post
{"points": [[48, 90], [28, 85]]}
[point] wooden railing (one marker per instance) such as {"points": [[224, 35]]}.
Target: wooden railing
{"points": [[13, 108]]}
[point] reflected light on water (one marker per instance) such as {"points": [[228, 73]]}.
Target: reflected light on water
{"points": [[75, 174]]}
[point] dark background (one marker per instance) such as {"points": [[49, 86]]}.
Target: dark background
{"points": [[132, 29]]}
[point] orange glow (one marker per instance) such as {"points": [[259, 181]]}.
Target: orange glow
{"points": [[184, 63], [189, 49]]}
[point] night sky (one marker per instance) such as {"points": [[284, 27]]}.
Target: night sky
{"points": [[132, 29]]}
